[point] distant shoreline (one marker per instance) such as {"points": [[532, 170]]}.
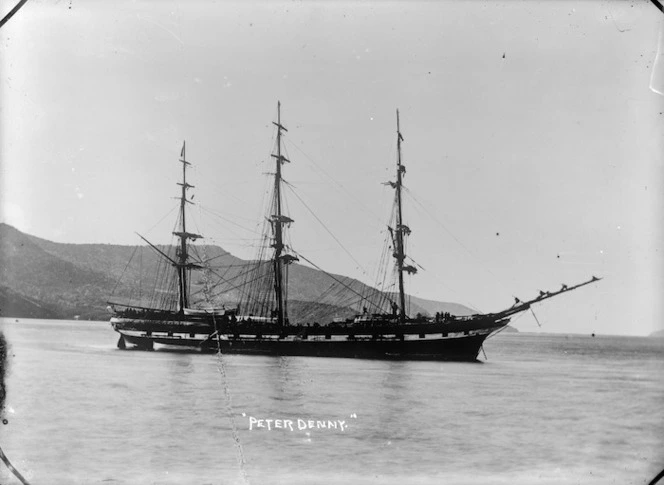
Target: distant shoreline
{"points": [[509, 330]]}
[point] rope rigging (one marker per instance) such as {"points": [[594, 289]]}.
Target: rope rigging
{"points": [[451, 234], [337, 183], [326, 228], [338, 281]]}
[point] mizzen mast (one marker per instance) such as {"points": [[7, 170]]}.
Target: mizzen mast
{"points": [[182, 263]]}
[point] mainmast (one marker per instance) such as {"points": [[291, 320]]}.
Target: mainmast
{"points": [[278, 220], [182, 255], [401, 230]]}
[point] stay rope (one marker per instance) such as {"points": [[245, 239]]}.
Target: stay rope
{"points": [[362, 297], [359, 265], [124, 270]]}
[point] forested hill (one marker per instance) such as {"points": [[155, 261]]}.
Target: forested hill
{"points": [[44, 279]]}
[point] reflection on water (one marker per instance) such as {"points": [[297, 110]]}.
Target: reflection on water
{"points": [[543, 410]]}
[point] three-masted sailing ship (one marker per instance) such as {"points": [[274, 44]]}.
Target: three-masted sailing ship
{"points": [[258, 322]]}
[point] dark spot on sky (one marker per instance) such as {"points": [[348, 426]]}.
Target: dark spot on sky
{"points": [[558, 256], [497, 234], [503, 55]]}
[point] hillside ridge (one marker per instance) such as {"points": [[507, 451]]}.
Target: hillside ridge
{"points": [[46, 279]]}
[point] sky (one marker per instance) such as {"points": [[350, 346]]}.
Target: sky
{"points": [[532, 132]]}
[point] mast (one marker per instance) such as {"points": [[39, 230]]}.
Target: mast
{"points": [[401, 230], [182, 255], [278, 220]]}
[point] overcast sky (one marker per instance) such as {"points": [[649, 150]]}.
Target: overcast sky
{"points": [[533, 137]]}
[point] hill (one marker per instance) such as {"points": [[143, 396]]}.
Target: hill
{"points": [[45, 279]]}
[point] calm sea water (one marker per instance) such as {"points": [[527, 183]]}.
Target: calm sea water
{"points": [[543, 409]]}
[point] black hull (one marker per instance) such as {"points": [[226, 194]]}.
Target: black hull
{"points": [[453, 349], [458, 341]]}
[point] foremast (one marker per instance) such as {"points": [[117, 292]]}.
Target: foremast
{"points": [[278, 220], [400, 231], [181, 263]]}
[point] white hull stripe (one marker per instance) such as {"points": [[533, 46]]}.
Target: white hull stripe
{"points": [[199, 338]]}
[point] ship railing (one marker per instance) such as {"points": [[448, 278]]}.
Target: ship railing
{"points": [[206, 311], [255, 319]]}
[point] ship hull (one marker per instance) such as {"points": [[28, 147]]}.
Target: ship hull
{"points": [[452, 343]]}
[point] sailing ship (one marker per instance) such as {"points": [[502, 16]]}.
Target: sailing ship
{"points": [[258, 321]]}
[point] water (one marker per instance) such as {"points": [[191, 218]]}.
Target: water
{"points": [[544, 409]]}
